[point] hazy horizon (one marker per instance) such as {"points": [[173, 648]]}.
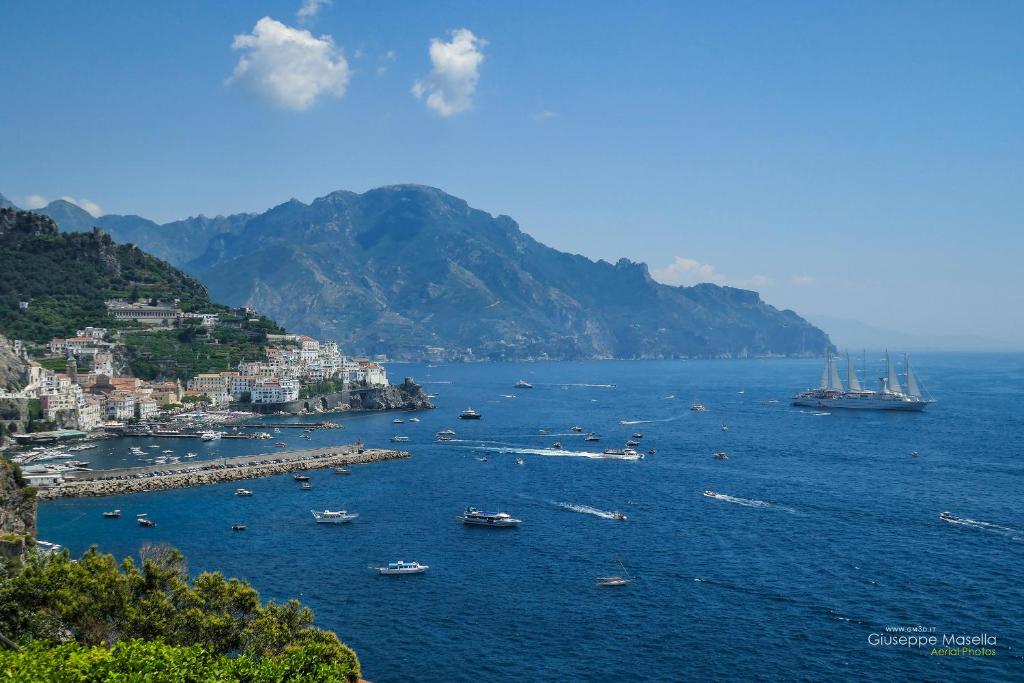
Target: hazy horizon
{"points": [[858, 162]]}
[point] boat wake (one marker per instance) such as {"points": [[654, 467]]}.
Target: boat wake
{"points": [[593, 386], [640, 422], [814, 413], [985, 526], [586, 510], [556, 453], [747, 502]]}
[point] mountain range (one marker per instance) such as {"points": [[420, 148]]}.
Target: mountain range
{"points": [[413, 272]]}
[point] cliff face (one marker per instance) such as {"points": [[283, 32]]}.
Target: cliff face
{"points": [[13, 369], [17, 512], [405, 396]]}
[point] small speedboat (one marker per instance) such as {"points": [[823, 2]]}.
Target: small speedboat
{"points": [[576, 428], [446, 432], [398, 421], [401, 567], [543, 432], [342, 470], [710, 494], [721, 455], [725, 427], [948, 517], [300, 477], [632, 444], [698, 407], [443, 437], [112, 514], [652, 451], [483, 459], [523, 384], [238, 527], [190, 454], [243, 492], [619, 516], [557, 445], [306, 486], [399, 439], [145, 521], [279, 444], [520, 461], [414, 419], [637, 435], [914, 454], [469, 414], [592, 437]]}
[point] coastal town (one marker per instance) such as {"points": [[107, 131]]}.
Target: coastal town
{"points": [[76, 383]]}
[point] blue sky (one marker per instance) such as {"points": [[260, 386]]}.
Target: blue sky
{"points": [[858, 159]]}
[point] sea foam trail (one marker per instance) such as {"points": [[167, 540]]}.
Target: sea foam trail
{"points": [[555, 453], [585, 509], [985, 526], [747, 502]]}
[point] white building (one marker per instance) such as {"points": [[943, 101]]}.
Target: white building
{"points": [[121, 405], [275, 391]]}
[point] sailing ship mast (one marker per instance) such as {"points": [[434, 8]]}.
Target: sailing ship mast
{"points": [[851, 375], [912, 388], [892, 381]]}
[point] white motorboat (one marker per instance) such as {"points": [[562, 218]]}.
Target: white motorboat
{"points": [[399, 439], [721, 455], [523, 384], [211, 436], [475, 517], [402, 567], [398, 421], [112, 514], [243, 492], [520, 461], [698, 407], [592, 437], [333, 516], [469, 414]]}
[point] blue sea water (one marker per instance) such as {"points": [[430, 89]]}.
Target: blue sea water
{"points": [[828, 529]]}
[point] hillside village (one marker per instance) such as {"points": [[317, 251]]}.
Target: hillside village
{"points": [[148, 342]]}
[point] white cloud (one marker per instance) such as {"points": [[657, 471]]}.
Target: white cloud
{"points": [[687, 271], [449, 87], [802, 280], [38, 201], [289, 67], [89, 205], [34, 201], [389, 58], [544, 115], [309, 9]]}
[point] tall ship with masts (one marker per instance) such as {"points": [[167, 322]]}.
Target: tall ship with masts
{"points": [[891, 394]]}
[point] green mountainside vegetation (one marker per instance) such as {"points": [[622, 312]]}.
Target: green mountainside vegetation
{"points": [[65, 278]]}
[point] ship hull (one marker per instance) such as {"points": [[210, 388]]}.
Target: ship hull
{"points": [[861, 404]]}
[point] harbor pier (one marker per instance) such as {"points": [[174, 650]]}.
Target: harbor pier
{"points": [[181, 475]]}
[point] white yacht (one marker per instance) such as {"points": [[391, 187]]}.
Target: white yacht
{"points": [[476, 517], [402, 567], [333, 516], [523, 384], [698, 407], [243, 492], [211, 436], [469, 414], [399, 439]]}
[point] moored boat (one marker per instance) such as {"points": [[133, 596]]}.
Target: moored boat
{"points": [[523, 384], [243, 492], [112, 514], [342, 470], [399, 439], [145, 521], [238, 526], [306, 486], [333, 516], [721, 455], [469, 414], [623, 579]]}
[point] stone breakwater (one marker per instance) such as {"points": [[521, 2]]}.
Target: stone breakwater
{"points": [[163, 477]]}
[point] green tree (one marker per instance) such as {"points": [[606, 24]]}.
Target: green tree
{"points": [[96, 602]]}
